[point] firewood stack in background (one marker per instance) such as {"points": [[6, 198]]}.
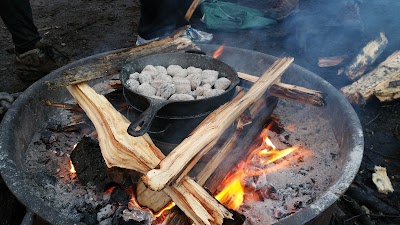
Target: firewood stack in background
{"points": [[383, 81]]}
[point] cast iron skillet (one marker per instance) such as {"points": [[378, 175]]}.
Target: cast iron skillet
{"points": [[151, 107]]}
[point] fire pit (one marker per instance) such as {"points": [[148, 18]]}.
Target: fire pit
{"points": [[29, 115]]}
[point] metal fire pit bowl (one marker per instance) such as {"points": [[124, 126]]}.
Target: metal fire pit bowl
{"points": [[29, 114]]}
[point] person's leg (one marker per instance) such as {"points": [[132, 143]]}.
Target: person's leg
{"points": [[17, 16], [33, 57], [160, 17]]}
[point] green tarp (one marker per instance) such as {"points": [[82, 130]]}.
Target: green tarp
{"points": [[229, 16]]}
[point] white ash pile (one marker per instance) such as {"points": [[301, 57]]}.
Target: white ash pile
{"points": [[177, 83]]}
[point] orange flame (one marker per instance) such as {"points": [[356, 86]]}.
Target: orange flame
{"points": [[72, 167], [219, 51], [233, 192], [134, 204]]}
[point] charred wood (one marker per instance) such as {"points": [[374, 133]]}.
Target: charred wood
{"points": [[291, 92], [368, 199], [361, 215]]}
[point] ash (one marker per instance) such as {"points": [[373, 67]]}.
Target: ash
{"points": [[290, 184], [298, 179]]}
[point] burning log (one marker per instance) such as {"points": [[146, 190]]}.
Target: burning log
{"points": [[119, 149], [211, 129], [262, 108], [366, 57], [361, 90], [291, 92], [112, 63]]}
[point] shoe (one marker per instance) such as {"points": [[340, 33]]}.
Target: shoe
{"points": [[191, 33], [38, 62], [198, 35]]}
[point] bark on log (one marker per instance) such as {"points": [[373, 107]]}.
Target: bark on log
{"points": [[291, 92], [211, 128], [139, 153], [361, 90], [366, 57], [112, 63]]}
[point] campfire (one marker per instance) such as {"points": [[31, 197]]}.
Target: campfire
{"points": [[131, 179], [233, 186]]}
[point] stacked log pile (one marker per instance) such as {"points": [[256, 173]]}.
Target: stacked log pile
{"points": [[382, 82]]}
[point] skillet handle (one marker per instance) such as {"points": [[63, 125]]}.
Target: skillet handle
{"points": [[141, 124]]}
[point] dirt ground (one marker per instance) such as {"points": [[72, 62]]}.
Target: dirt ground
{"points": [[317, 28]]}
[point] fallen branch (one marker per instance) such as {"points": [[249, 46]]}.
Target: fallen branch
{"points": [[211, 128]]}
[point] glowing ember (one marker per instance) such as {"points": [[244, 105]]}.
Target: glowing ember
{"points": [[133, 204], [219, 51], [234, 189], [166, 208]]}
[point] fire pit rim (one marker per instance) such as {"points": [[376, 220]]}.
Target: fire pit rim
{"points": [[13, 178]]}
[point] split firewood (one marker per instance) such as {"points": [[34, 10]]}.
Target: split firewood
{"points": [[111, 64], [331, 61], [366, 57], [291, 92], [361, 90], [211, 128], [381, 180], [119, 149], [388, 90]]}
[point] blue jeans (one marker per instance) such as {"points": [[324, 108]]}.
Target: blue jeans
{"points": [[17, 16]]}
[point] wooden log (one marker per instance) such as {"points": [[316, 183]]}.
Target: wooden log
{"points": [[361, 90], [191, 9], [291, 92], [388, 90], [119, 149], [111, 64], [331, 61], [366, 57], [211, 128]]}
